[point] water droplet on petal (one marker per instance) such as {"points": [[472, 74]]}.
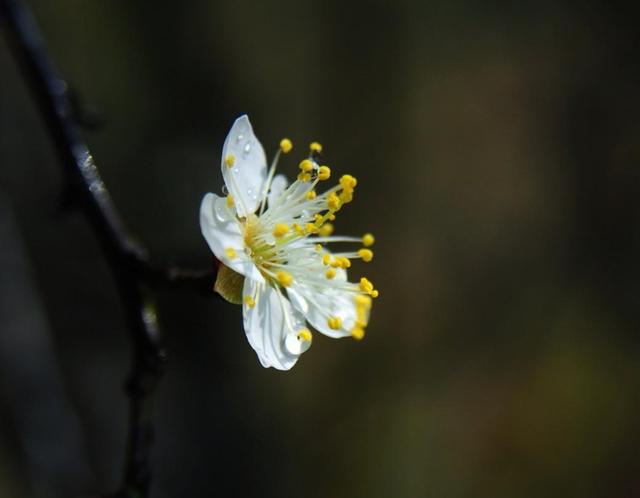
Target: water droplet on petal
{"points": [[295, 346], [239, 138], [220, 208], [246, 150]]}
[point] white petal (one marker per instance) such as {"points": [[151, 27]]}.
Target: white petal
{"points": [[278, 185], [221, 230], [272, 325], [317, 305], [245, 179]]}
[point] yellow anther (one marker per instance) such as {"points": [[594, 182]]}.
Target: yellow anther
{"points": [[284, 278], [315, 147], [333, 202], [306, 166], [248, 300], [229, 200], [331, 273], [348, 182], [334, 322], [311, 228], [304, 177], [318, 247], [230, 252], [357, 333], [326, 230], [366, 255], [362, 317], [311, 195], [285, 145], [229, 161], [319, 219], [368, 239], [324, 172], [280, 229], [346, 196], [332, 216], [366, 285], [344, 262], [363, 301], [299, 230], [326, 259], [305, 335], [375, 293]]}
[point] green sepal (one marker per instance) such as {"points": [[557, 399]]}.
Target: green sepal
{"points": [[229, 284]]}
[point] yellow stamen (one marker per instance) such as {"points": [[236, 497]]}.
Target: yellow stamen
{"points": [[248, 300], [326, 230], [324, 172], [305, 335], [331, 273], [319, 219], [280, 229], [375, 293], [299, 230], [366, 285], [304, 177], [318, 247], [311, 228], [229, 161], [363, 301], [348, 182], [326, 259], [334, 322], [306, 166], [315, 147], [332, 216], [357, 333], [341, 262], [366, 255], [285, 145], [311, 195], [368, 239], [333, 202], [284, 278], [229, 200], [230, 252], [346, 196]]}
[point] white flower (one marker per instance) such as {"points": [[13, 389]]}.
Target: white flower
{"points": [[274, 235]]}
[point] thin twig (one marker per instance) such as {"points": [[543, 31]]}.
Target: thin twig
{"points": [[130, 263]]}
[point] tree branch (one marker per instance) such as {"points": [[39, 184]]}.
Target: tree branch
{"points": [[131, 265]]}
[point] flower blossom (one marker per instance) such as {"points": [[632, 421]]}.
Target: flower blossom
{"points": [[271, 237]]}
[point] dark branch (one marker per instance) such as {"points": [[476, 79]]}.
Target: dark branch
{"points": [[55, 101], [134, 272]]}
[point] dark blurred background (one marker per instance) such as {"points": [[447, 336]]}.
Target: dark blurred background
{"points": [[497, 148]]}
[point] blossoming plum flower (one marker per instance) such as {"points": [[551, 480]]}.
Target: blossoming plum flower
{"points": [[271, 237]]}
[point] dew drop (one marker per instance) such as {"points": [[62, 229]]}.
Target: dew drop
{"points": [[239, 138], [221, 211], [246, 150]]}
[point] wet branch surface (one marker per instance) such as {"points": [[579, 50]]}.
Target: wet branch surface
{"points": [[136, 275]]}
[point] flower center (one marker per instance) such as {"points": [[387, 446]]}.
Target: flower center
{"points": [[263, 254]]}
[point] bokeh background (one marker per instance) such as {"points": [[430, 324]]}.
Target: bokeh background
{"points": [[497, 147]]}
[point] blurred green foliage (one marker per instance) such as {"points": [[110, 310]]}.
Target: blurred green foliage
{"points": [[497, 149]]}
